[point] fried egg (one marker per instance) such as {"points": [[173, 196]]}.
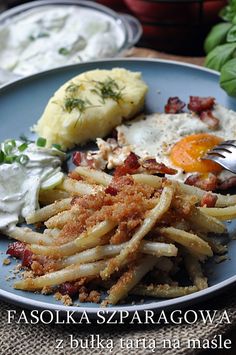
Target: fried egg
{"points": [[177, 140]]}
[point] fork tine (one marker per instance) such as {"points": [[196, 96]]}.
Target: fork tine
{"points": [[211, 154], [226, 146], [220, 150], [217, 159], [224, 154], [228, 143]]}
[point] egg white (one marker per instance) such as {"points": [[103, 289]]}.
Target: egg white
{"points": [[153, 136]]}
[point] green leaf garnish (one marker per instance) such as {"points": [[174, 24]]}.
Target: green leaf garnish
{"points": [[22, 147], [22, 159], [72, 88], [2, 157], [57, 146], [108, 89], [9, 159], [72, 103], [63, 51], [8, 146], [41, 142]]}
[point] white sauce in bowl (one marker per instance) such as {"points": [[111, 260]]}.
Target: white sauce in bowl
{"points": [[52, 36], [20, 184]]}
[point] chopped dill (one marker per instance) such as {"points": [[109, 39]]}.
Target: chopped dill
{"points": [[80, 104], [63, 51], [33, 37], [108, 89], [72, 88]]}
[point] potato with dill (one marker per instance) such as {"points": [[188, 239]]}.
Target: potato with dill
{"points": [[90, 105]]}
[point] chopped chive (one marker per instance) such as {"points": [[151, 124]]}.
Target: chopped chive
{"points": [[9, 146], [57, 146], [2, 157], [9, 159], [63, 51], [22, 159], [41, 142], [22, 147]]}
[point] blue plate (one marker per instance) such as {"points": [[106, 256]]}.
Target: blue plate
{"points": [[22, 103]]}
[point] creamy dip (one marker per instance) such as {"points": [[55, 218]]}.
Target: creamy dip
{"points": [[51, 36], [20, 183]]}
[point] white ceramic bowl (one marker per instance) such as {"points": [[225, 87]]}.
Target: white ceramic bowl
{"points": [[128, 26]]}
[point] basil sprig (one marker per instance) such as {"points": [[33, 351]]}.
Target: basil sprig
{"points": [[220, 47]]}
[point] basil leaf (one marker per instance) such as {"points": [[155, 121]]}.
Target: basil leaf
{"points": [[234, 20], [231, 35], [216, 36], [220, 55], [227, 13], [228, 77]]}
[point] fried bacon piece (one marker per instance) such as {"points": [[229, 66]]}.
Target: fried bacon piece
{"points": [[174, 105], [68, 288], [133, 163], [111, 190], [117, 184], [208, 200], [228, 184], [130, 166], [154, 167], [82, 159], [205, 182], [20, 251], [208, 118], [199, 104]]}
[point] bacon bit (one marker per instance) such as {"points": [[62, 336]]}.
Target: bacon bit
{"points": [[154, 167], [81, 159], [174, 105], [117, 184], [227, 184], [68, 288], [74, 175], [111, 190], [208, 118], [27, 258], [208, 200], [121, 171], [198, 104], [205, 182], [16, 249], [19, 251], [130, 166], [132, 161]]}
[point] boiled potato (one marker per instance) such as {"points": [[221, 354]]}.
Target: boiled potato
{"points": [[90, 106]]}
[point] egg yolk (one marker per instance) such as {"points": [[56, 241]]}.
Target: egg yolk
{"points": [[187, 153]]}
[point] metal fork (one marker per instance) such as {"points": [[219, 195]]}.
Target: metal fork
{"points": [[224, 154]]}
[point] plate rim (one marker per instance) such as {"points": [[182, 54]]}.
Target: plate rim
{"points": [[20, 80], [168, 304], [198, 296]]}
